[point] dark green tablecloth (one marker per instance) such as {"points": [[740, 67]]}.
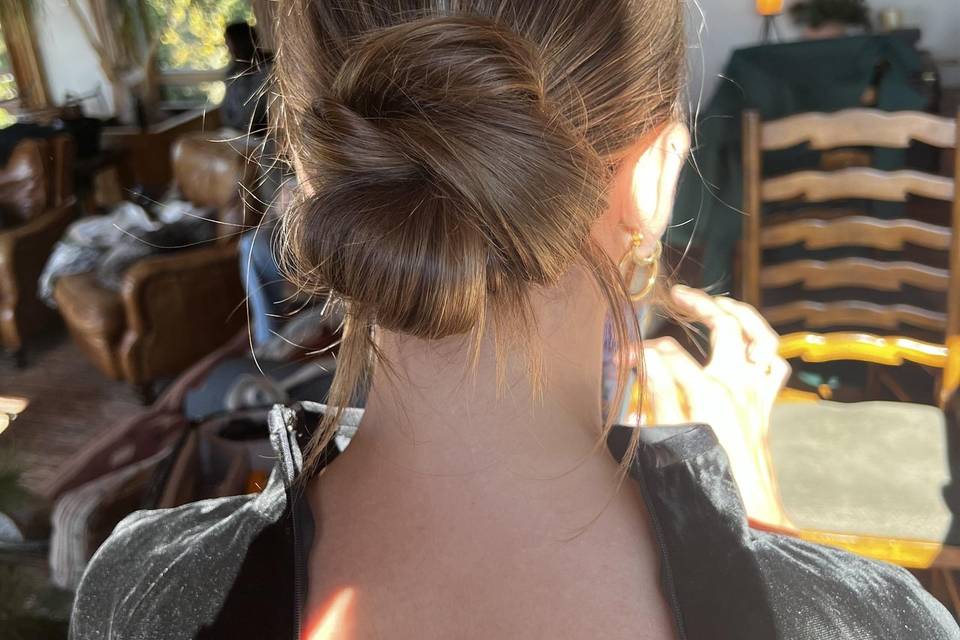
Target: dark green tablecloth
{"points": [[779, 80]]}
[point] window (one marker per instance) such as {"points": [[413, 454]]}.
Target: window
{"points": [[8, 84], [191, 54], [21, 75]]}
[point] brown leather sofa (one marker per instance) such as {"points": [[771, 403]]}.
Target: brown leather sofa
{"points": [[36, 205], [173, 308]]}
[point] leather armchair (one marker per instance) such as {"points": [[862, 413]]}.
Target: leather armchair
{"points": [[173, 308], [36, 205]]}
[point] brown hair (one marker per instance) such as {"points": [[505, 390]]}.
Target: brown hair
{"points": [[457, 153]]}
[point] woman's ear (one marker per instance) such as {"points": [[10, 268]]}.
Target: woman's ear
{"points": [[654, 184]]}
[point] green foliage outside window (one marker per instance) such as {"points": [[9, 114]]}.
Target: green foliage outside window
{"points": [[8, 85], [191, 31]]}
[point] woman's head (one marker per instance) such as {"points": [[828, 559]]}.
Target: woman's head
{"points": [[456, 155]]}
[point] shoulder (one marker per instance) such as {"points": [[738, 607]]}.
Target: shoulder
{"points": [[763, 585], [816, 586], [161, 568]]}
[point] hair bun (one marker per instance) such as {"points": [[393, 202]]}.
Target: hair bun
{"points": [[444, 178]]}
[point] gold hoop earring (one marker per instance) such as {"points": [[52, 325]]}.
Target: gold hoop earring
{"points": [[634, 261]]}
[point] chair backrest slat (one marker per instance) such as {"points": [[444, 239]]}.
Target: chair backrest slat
{"points": [[855, 272], [821, 315], [857, 182], [856, 231], [859, 128], [813, 229], [888, 350]]}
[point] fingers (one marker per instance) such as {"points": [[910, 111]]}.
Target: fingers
{"points": [[763, 343], [728, 344], [763, 347], [757, 343], [744, 346]]}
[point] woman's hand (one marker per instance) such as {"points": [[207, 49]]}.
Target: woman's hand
{"points": [[733, 393]]}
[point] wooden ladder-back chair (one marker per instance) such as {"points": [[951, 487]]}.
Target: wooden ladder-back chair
{"points": [[854, 127], [877, 478]]}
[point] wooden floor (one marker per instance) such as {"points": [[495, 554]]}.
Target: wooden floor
{"points": [[69, 402]]}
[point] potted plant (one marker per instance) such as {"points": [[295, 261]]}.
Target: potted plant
{"points": [[830, 18]]}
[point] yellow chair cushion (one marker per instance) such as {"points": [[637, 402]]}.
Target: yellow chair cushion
{"points": [[867, 468]]}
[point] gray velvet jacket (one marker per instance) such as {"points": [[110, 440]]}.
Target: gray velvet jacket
{"points": [[235, 567]]}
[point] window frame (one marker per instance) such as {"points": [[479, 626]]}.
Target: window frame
{"points": [[188, 78], [20, 37]]}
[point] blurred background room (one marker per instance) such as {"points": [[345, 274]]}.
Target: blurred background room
{"points": [[146, 327]]}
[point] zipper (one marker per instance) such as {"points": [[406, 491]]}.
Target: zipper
{"points": [[298, 566], [667, 572], [284, 434]]}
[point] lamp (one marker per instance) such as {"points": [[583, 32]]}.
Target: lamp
{"points": [[769, 9]]}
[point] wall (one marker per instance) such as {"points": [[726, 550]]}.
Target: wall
{"points": [[70, 62], [716, 28], [730, 24]]}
